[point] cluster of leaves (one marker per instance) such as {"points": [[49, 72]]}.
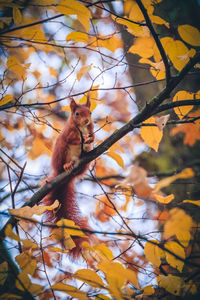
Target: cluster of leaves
{"points": [[56, 49]]}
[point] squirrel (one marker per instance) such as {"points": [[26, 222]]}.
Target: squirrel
{"points": [[75, 139]]}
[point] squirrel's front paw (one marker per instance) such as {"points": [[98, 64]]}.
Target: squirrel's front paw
{"points": [[88, 139], [68, 167]]}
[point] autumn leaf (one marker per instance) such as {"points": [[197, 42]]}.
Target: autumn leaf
{"points": [[90, 277], [35, 210], [23, 283], [111, 43], [171, 283], [78, 37], [178, 250], [70, 290], [83, 71], [17, 15], [26, 262], [153, 253], [104, 209], [104, 251], [181, 111], [9, 233], [73, 7], [7, 98], [152, 135], [195, 202], [116, 157], [18, 68], [178, 224], [3, 272], [143, 46], [157, 68], [177, 51], [164, 199], [186, 173], [189, 34], [148, 290], [191, 130], [61, 235], [73, 229], [117, 276]]}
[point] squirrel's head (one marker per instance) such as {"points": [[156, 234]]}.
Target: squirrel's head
{"points": [[81, 113]]}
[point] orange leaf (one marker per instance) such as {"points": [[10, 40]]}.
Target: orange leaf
{"points": [[116, 157], [164, 200]]}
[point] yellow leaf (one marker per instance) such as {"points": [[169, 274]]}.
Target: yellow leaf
{"points": [[73, 7], [73, 229], [14, 65], [90, 277], [157, 68], [83, 71], [116, 157], [181, 111], [148, 290], [104, 251], [117, 276], [171, 283], [171, 259], [195, 202], [177, 51], [17, 15], [35, 210], [7, 98], [60, 234], [23, 282], [66, 108], [143, 46], [70, 290], [132, 28], [164, 199], [3, 272], [78, 37], [189, 34], [9, 232], [153, 253], [26, 262], [57, 249], [159, 20], [111, 43], [179, 224], [186, 173], [7, 296], [38, 148], [152, 135], [190, 287]]}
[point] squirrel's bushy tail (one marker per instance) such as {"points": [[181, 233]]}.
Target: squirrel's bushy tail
{"points": [[68, 209]]}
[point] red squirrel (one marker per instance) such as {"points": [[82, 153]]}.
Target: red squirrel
{"points": [[75, 139]]}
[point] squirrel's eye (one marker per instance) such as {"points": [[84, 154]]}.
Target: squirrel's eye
{"points": [[76, 113]]}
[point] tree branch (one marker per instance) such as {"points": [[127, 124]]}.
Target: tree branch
{"points": [[157, 40]]}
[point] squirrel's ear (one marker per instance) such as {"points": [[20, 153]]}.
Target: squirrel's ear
{"points": [[73, 105], [88, 103]]}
